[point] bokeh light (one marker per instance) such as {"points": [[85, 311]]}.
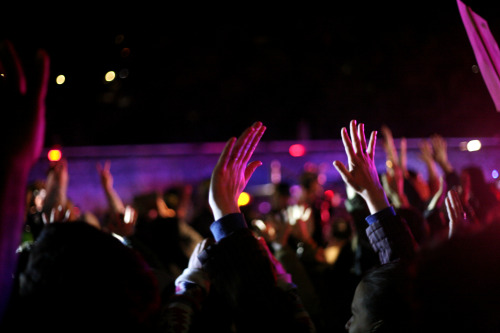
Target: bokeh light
{"points": [[243, 199], [264, 207], [494, 174], [473, 145], [54, 155], [110, 76], [297, 150], [60, 79]]}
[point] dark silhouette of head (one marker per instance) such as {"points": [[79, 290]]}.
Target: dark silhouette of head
{"points": [[80, 277]]}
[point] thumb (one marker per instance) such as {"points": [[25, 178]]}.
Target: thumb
{"points": [[250, 169]]}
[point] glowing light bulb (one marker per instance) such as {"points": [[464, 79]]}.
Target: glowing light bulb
{"points": [[494, 174]]}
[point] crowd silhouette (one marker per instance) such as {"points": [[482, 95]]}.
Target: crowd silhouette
{"points": [[399, 253]]}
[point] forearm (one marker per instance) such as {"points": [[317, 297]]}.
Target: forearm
{"points": [[114, 201], [56, 196], [376, 199]]}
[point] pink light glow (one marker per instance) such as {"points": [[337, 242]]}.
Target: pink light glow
{"points": [[297, 150]]}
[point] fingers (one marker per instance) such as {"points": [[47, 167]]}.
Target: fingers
{"points": [[11, 66], [241, 150], [344, 173], [357, 143], [259, 132], [243, 142], [454, 206], [403, 156], [250, 169], [361, 135], [372, 144], [349, 150], [355, 138], [225, 155], [43, 64]]}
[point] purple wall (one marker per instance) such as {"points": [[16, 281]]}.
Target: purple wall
{"points": [[142, 169]]}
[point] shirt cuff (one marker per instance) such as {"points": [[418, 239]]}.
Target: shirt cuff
{"points": [[227, 224], [380, 215]]}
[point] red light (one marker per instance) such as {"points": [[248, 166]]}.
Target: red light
{"points": [[54, 155], [297, 150], [329, 194]]}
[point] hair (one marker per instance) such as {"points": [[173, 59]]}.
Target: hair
{"points": [[386, 299], [79, 276], [244, 291]]}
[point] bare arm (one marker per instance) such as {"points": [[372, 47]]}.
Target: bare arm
{"points": [[23, 104]]}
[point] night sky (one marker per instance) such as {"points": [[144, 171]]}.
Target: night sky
{"points": [[203, 74]]}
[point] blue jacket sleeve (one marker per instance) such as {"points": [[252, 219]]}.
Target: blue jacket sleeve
{"points": [[390, 236]]}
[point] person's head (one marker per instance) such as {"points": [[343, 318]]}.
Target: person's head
{"points": [[244, 290], [380, 302], [281, 196], [309, 183], [420, 185], [78, 275]]}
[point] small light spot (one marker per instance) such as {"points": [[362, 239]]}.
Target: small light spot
{"points": [[110, 76], [297, 150], [243, 199], [60, 79], [473, 145]]}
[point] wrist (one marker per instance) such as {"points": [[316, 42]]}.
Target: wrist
{"points": [[221, 211], [376, 200]]}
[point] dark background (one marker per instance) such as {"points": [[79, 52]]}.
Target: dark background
{"points": [[202, 74]]}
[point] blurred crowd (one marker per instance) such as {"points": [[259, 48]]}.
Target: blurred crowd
{"points": [[399, 252]]}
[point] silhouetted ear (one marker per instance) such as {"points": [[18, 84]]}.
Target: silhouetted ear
{"points": [[377, 327]]}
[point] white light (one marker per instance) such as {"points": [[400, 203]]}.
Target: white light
{"points": [[473, 145], [110, 76], [260, 224], [60, 79]]}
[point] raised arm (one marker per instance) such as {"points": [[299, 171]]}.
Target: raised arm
{"points": [[114, 201], [427, 156], [23, 105], [389, 235], [232, 171], [55, 206], [361, 173]]}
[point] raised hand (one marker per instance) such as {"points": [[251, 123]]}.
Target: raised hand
{"points": [[232, 171], [361, 173], [115, 202], [395, 159], [456, 214], [427, 156], [23, 107], [440, 148], [25, 103], [105, 175], [55, 205]]}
